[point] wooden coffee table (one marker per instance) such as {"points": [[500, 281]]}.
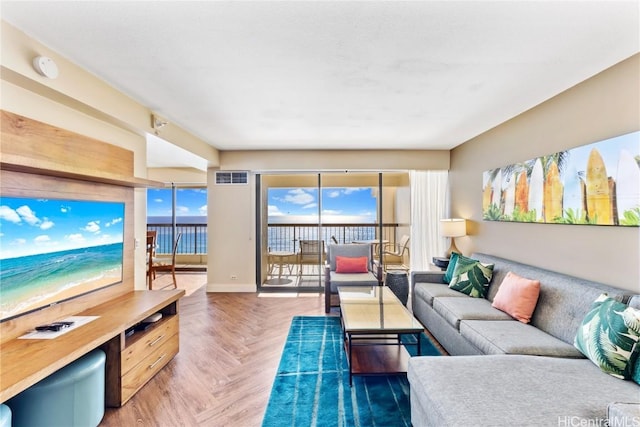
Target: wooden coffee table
{"points": [[373, 320]]}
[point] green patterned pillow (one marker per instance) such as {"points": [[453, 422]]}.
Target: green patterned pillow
{"points": [[609, 336], [453, 258], [635, 374], [471, 277]]}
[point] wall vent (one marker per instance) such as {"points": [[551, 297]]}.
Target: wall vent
{"points": [[232, 178]]}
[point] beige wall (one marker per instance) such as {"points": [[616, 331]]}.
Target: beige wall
{"points": [[231, 237], [376, 160], [602, 107], [178, 176]]}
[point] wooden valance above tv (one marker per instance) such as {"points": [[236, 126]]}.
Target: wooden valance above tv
{"points": [[30, 146]]}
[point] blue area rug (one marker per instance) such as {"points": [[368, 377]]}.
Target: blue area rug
{"points": [[311, 387]]}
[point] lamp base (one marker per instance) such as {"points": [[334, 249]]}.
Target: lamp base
{"points": [[452, 248]]}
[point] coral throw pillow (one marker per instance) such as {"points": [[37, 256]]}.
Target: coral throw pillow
{"points": [[517, 297], [351, 265]]}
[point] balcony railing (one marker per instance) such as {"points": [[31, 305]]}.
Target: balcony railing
{"points": [[281, 237], [285, 237], [192, 242]]}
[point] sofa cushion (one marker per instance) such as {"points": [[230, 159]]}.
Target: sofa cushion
{"points": [[429, 291], [454, 309], [352, 279], [512, 390], [609, 335], [564, 300], [471, 277], [517, 296], [351, 264], [448, 274], [512, 337]]}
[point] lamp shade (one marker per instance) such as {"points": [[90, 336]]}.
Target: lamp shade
{"points": [[453, 227]]}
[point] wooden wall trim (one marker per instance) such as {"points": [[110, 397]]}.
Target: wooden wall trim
{"points": [[35, 147]]}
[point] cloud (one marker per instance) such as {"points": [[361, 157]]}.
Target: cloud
{"points": [[65, 209], [274, 211], [75, 237], [299, 197], [310, 206], [46, 224], [113, 222], [28, 215], [350, 190], [42, 238], [158, 200], [92, 227], [9, 214], [182, 210], [331, 212], [203, 209], [333, 194], [20, 241]]}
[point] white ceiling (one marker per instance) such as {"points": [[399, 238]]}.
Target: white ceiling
{"points": [[336, 74]]}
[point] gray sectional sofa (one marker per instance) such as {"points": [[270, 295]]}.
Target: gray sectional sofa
{"points": [[506, 372]]}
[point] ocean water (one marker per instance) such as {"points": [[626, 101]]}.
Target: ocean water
{"points": [[280, 237], [26, 282]]}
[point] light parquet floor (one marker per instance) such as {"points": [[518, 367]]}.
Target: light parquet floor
{"points": [[230, 347]]}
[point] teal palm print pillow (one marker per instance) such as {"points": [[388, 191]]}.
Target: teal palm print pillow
{"points": [[609, 336], [471, 277], [453, 260]]}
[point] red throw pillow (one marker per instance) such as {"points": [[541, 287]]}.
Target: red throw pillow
{"points": [[351, 265]]}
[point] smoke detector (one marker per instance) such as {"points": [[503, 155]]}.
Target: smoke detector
{"points": [[45, 67]]}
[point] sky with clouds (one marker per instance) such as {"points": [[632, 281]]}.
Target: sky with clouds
{"points": [[295, 205], [35, 226], [189, 202]]}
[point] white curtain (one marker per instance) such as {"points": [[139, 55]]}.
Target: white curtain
{"points": [[428, 205]]}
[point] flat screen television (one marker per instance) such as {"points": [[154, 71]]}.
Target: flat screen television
{"points": [[53, 250]]}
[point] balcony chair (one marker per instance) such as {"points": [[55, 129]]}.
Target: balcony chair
{"points": [[312, 252], [395, 254], [369, 276], [165, 264]]}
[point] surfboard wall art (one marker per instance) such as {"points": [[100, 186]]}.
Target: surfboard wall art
{"points": [[596, 184]]}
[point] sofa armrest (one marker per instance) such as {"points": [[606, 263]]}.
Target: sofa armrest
{"points": [[623, 414], [427, 276]]}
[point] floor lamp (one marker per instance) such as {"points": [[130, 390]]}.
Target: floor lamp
{"points": [[452, 228]]}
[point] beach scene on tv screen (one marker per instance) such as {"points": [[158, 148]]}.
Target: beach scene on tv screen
{"points": [[52, 250]]}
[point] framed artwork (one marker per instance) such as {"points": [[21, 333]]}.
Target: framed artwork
{"points": [[595, 184]]}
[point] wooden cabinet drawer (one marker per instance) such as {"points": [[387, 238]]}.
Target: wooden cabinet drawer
{"points": [[146, 368], [144, 343]]}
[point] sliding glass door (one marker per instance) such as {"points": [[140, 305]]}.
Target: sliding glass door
{"points": [[301, 214]]}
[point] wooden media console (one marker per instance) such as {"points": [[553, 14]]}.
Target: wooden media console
{"points": [[131, 361]]}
